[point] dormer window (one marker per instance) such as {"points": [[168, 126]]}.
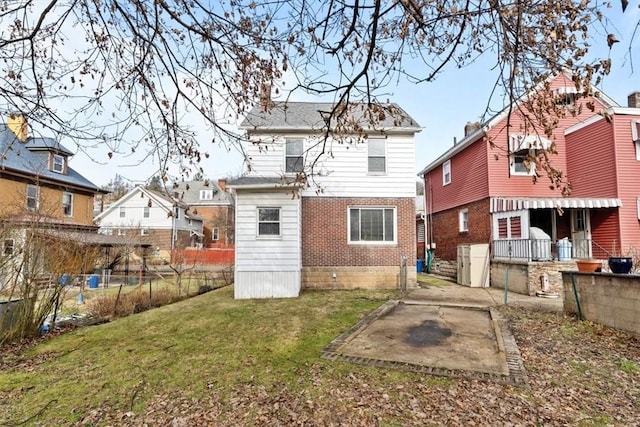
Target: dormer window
{"points": [[524, 151], [565, 97], [57, 164], [206, 194]]}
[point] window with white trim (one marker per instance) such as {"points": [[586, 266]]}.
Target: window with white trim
{"points": [[145, 212], [67, 204], [565, 97], [215, 234], [268, 222], [446, 172], [294, 148], [377, 157], [635, 136], [463, 220], [206, 194], [176, 212], [522, 162], [8, 247], [144, 231], [123, 212], [57, 164], [122, 232], [372, 224], [33, 196]]}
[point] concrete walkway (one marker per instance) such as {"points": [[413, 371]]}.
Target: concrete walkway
{"points": [[441, 291]]}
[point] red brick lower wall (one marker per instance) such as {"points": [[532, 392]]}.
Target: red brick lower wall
{"points": [[328, 260], [446, 228], [325, 239]]}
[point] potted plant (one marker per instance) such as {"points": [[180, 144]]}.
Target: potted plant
{"points": [[620, 264], [589, 265]]}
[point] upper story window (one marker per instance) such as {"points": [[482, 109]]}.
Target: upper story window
{"points": [[57, 163], [269, 222], [145, 212], [215, 234], [446, 172], [377, 161], [464, 220], [565, 97], [206, 194], [123, 212], [635, 135], [33, 196], [521, 162], [67, 204], [524, 151], [8, 247], [372, 225], [294, 149], [176, 212]]}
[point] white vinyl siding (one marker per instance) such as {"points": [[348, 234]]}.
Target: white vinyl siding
{"points": [[344, 172], [267, 267], [141, 211]]}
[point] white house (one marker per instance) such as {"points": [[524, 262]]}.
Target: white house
{"points": [[352, 227], [156, 218]]}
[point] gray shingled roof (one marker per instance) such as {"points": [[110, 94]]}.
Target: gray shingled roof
{"points": [[308, 116], [17, 156]]}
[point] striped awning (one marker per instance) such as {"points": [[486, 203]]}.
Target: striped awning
{"points": [[507, 204]]}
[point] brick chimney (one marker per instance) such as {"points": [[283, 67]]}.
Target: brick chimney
{"points": [[18, 125], [222, 183], [634, 100]]}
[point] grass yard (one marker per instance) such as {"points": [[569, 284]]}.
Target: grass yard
{"points": [[203, 343], [212, 360]]}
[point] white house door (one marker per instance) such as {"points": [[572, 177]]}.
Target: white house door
{"points": [[581, 233]]}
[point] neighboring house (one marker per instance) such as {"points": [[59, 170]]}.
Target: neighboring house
{"points": [[214, 204], [353, 227], [154, 218], [481, 190], [40, 195], [37, 180]]}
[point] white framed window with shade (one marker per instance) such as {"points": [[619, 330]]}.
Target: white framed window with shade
{"points": [[446, 172], [294, 149], [372, 225], [377, 155]]}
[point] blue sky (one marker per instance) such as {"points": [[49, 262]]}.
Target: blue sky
{"points": [[441, 107]]}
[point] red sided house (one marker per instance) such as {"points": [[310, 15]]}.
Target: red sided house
{"points": [[482, 203], [352, 227]]}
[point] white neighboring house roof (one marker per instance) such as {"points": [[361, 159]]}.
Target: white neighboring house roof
{"points": [[162, 201], [489, 124]]}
